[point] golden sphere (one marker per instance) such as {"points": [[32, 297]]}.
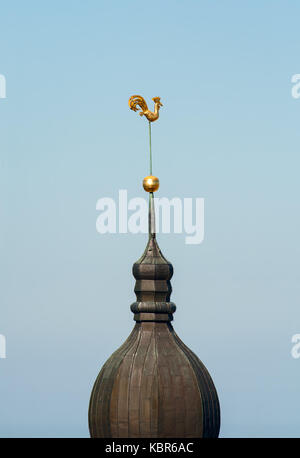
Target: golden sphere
{"points": [[151, 183]]}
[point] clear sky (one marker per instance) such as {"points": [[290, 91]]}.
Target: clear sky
{"points": [[228, 132]]}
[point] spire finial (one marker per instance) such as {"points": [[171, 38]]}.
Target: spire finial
{"points": [[150, 182], [153, 385]]}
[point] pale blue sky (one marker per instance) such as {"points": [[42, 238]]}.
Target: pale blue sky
{"points": [[228, 132]]}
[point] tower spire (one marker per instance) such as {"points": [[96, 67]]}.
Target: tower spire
{"points": [[153, 385], [151, 224]]}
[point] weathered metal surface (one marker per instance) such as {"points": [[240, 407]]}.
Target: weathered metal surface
{"points": [[153, 385]]}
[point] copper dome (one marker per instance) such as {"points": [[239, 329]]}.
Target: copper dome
{"points": [[153, 385]]}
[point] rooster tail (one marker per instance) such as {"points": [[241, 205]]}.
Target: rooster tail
{"points": [[136, 101]]}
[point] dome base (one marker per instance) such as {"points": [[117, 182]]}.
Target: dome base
{"points": [[154, 386]]}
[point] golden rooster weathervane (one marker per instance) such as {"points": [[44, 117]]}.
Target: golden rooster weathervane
{"points": [[150, 183], [138, 101]]}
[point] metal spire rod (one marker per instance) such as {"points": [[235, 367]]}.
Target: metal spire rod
{"points": [[152, 230], [150, 148], [150, 183]]}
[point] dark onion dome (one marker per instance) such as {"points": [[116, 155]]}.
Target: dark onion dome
{"points": [[153, 385]]}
